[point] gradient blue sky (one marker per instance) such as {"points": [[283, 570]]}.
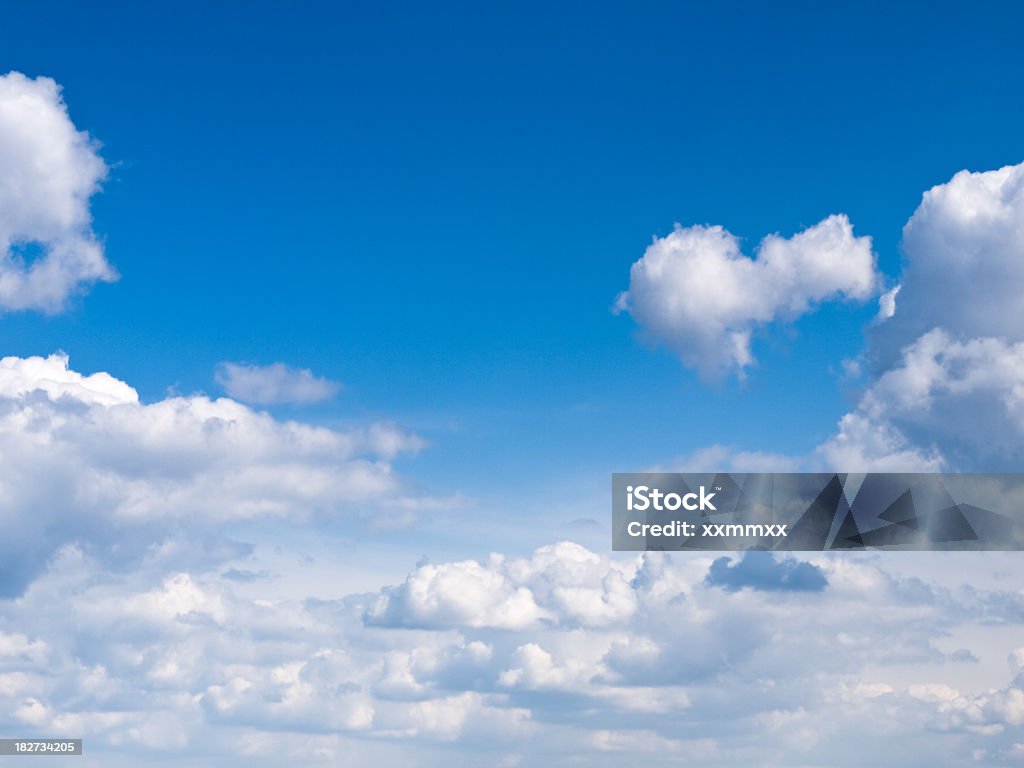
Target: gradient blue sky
{"points": [[439, 207]]}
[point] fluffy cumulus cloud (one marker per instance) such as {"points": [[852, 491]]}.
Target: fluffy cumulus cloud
{"points": [[948, 356], [276, 383], [572, 584], [697, 293], [85, 460], [50, 170], [963, 270], [946, 402], [560, 655]]}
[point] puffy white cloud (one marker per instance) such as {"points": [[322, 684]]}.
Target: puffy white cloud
{"points": [[961, 400], [963, 270], [50, 170], [864, 445], [52, 377], [457, 593], [85, 460], [948, 354], [535, 668], [561, 583], [698, 294], [276, 383]]}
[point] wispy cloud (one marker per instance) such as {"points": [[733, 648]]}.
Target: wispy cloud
{"points": [[275, 383]]}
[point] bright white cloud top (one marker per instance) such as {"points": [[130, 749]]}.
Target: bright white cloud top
{"points": [[276, 383], [48, 172], [964, 268], [696, 292]]}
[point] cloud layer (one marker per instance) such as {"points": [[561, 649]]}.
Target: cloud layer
{"points": [[562, 655], [698, 294], [49, 171]]}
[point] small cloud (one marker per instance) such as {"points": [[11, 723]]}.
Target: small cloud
{"points": [[852, 367], [271, 384], [760, 571], [887, 304]]}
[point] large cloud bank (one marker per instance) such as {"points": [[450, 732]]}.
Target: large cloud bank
{"points": [[561, 656]]}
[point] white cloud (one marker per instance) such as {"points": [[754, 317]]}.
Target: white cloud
{"points": [[948, 353], [84, 459], [51, 376], [865, 445], [457, 593], [887, 303], [963, 270], [49, 169], [698, 294], [964, 400], [276, 383], [946, 405], [562, 583]]}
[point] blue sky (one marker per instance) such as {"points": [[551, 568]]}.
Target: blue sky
{"points": [[325, 471], [438, 208]]}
